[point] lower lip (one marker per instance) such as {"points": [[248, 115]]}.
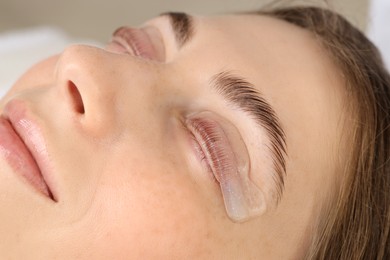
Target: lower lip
{"points": [[16, 154]]}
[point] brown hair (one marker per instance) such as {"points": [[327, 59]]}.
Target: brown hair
{"points": [[357, 224]]}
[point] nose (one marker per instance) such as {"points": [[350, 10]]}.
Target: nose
{"points": [[93, 83]]}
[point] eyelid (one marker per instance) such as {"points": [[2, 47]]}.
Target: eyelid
{"points": [[143, 42], [229, 160], [157, 40], [167, 35]]}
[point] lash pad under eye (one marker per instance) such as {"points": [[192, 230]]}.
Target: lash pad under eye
{"points": [[229, 159]]}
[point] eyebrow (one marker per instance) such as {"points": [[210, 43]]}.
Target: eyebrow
{"points": [[242, 94], [182, 25]]}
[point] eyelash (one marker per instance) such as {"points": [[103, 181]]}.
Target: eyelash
{"points": [[220, 146], [138, 49], [213, 146]]}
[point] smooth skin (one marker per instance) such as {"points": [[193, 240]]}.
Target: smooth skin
{"points": [[129, 185]]}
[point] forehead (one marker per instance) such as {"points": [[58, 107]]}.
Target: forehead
{"points": [[259, 38], [285, 62]]}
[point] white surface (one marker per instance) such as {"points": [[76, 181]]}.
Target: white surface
{"points": [[19, 50], [379, 27]]}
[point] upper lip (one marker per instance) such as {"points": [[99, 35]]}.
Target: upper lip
{"points": [[30, 133]]}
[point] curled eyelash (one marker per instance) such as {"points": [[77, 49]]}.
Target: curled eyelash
{"points": [[200, 153], [134, 39], [223, 150], [213, 144], [139, 49]]}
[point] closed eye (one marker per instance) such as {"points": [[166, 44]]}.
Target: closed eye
{"points": [[225, 155]]}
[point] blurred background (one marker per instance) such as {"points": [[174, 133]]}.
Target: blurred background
{"points": [[35, 29], [96, 19]]}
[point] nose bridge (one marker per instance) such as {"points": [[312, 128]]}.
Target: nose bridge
{"points": [[106, 85]]}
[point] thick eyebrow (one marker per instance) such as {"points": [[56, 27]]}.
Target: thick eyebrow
{"points": [[242, 94], [182, 25]]}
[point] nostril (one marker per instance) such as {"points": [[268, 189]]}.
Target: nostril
{"points": [[76, 98]]}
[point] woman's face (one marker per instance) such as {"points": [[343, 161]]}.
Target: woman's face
{"points": [[130, 141]]}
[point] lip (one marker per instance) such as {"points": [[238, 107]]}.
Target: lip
{"points": [[136, 41], [24, 148]]}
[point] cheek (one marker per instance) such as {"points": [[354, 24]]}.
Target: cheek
{"points": [[148, 211]]}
